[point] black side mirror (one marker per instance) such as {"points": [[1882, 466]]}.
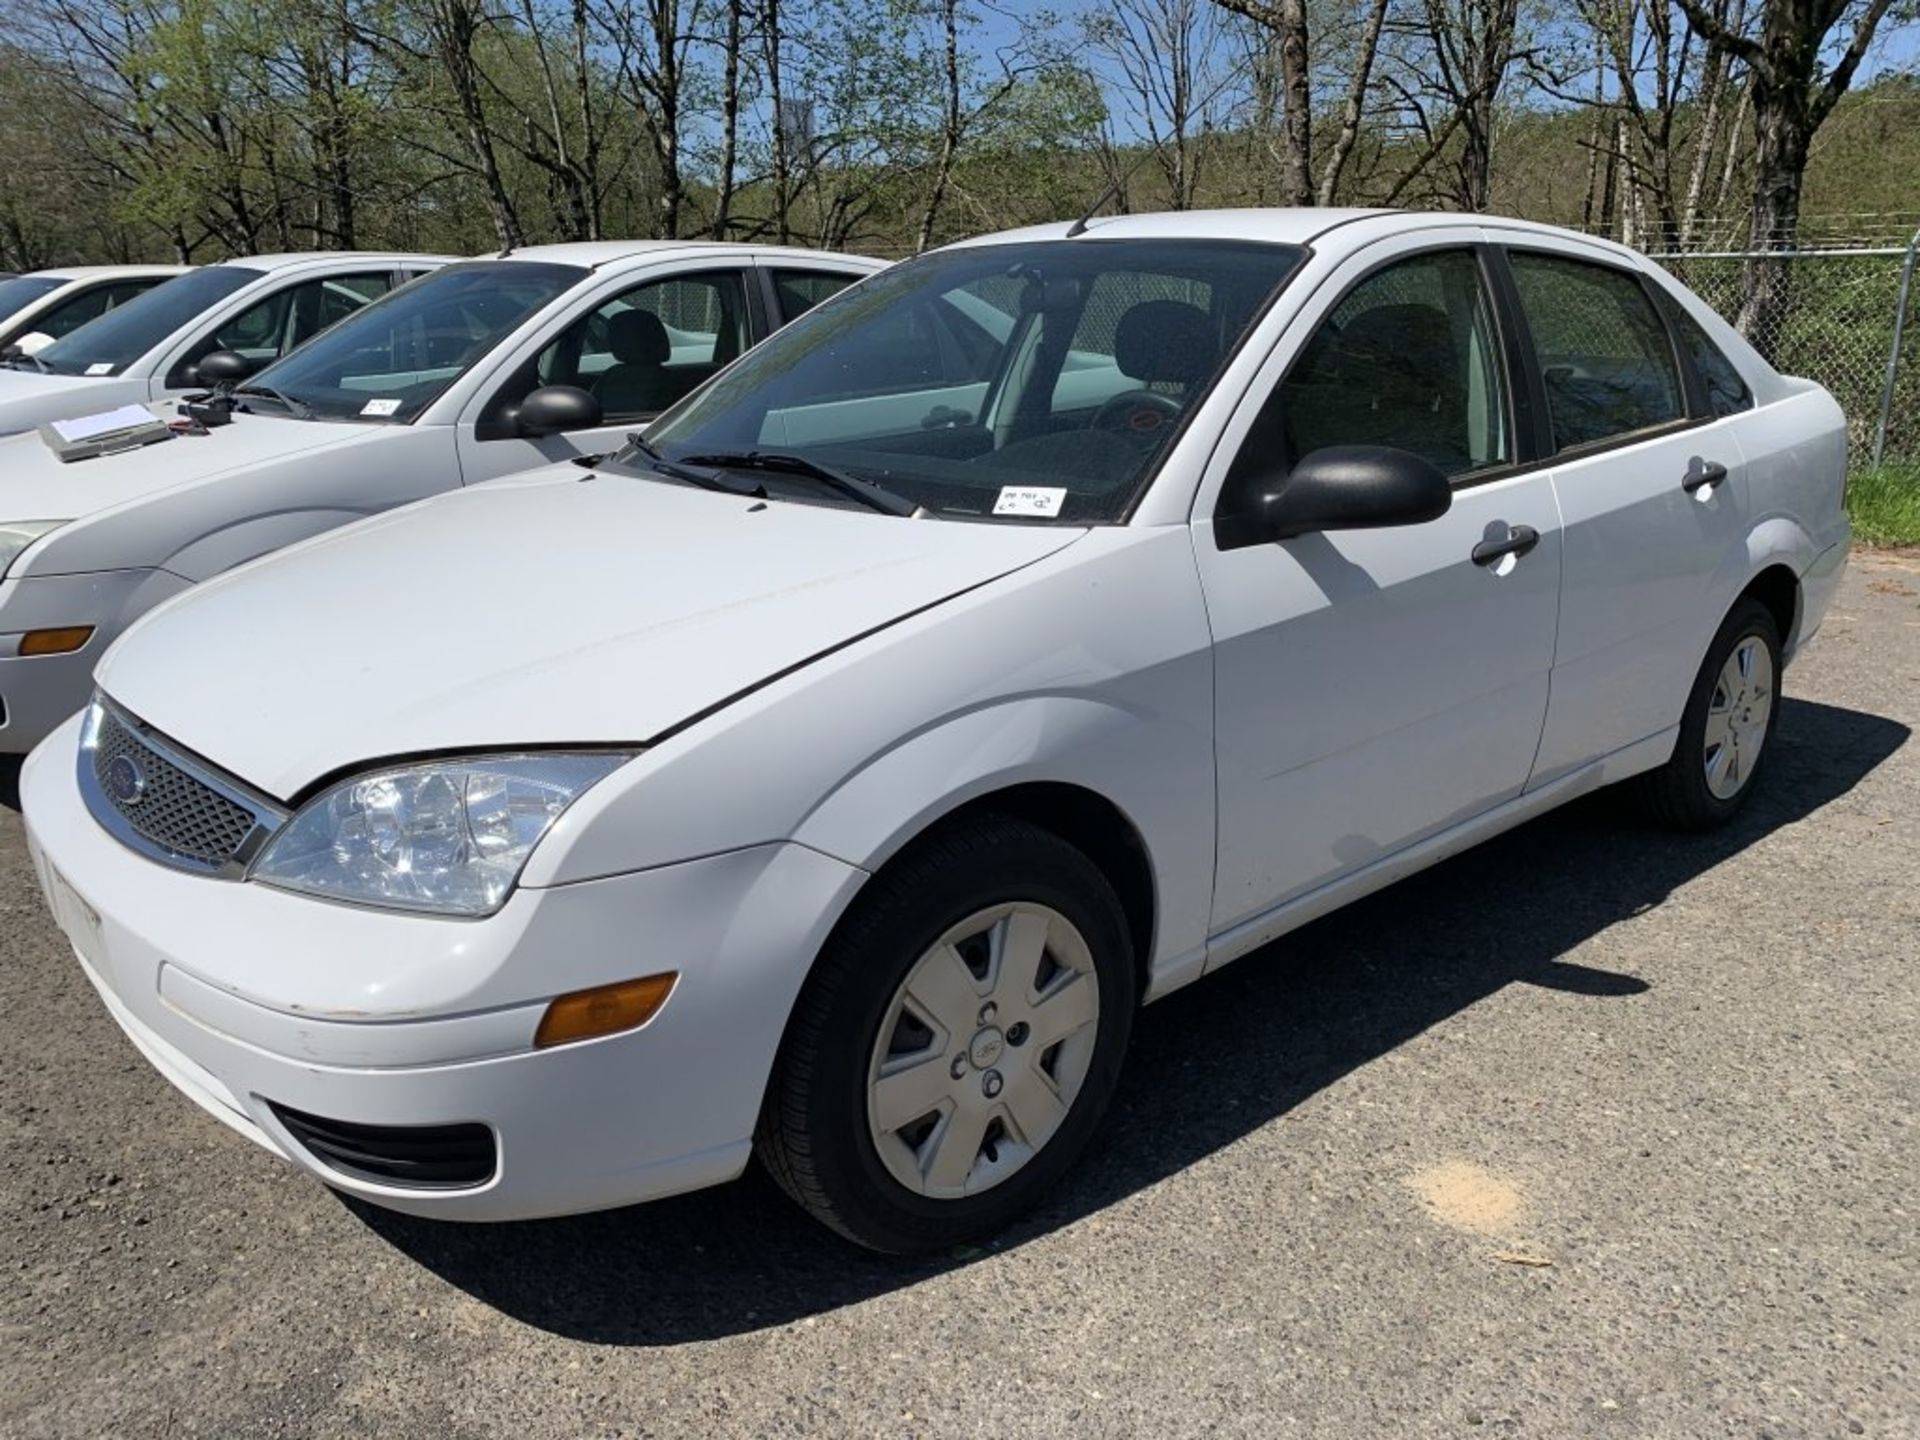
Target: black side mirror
{"points": [[553, 409], [224, 367], [1342, 487]]}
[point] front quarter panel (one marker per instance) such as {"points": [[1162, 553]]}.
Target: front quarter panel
{"points": [[1091, 668]]}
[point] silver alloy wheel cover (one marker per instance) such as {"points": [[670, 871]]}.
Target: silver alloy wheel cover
{"points": [[995, 1096], [1737, 717]]}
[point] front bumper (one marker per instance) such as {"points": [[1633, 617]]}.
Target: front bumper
{"points": [[249, 999], [37, 692]]}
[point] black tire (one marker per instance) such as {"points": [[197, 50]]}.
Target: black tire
{"points": [[1676, 794], [814, 1137]]}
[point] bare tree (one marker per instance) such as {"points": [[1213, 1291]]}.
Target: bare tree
{"points": [[1793, 90], [1164, 55], [1287, 21]]}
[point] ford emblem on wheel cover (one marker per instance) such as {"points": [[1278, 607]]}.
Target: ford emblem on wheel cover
{"points": [[126, 781]]}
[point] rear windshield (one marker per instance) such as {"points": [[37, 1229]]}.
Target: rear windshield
{"points": [[107, 346]]}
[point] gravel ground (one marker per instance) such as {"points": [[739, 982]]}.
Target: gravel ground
{"points": [[1617, 1139]]}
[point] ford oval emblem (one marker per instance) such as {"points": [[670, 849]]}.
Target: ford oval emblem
{"points": [[126, 781]]}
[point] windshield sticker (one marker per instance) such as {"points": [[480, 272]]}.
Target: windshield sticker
{"points": [[1043, 501], [380, 407], [104, 367]]}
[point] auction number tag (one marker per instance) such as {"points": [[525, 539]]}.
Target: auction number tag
{"points": [[1043, 501], [380, 407], [103, 367]]}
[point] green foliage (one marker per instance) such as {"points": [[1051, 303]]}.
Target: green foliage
{"points": [[1885, 505]]}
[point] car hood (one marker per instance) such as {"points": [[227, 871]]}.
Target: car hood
{"points": [[36, 485], [553, 609], [33, 397]]}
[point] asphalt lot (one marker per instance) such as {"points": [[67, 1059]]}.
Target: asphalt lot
{"points": [[1682, 1072]]}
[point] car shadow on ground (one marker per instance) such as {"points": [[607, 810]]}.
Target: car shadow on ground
{"points": [[10, 781], [1210, 1064]]}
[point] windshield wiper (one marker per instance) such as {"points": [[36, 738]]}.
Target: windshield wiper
{"points": [[867, 492], [658, 462], [13, 363], [299, 409]]}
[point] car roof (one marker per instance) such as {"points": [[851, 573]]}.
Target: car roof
{"points": [[307, 257], [1299, 225], [596, 253], [99, 272]]}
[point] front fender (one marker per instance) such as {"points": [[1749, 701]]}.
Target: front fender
{"points": [[1155, 775]]}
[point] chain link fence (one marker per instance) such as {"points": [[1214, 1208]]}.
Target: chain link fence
{"points": [[1848, 324]]}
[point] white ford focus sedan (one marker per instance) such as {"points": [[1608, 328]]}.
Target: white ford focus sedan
{"points": [[478, 370], [149, 347], [1043, 623]]}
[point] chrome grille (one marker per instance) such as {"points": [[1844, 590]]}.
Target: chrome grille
{"points": [[161, 802]]}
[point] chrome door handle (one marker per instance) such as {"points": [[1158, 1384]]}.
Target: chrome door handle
{"points": [[1703, 473], [1518, 540]]}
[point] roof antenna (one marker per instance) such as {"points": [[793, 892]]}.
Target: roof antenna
{"points": [[1079, 227]]}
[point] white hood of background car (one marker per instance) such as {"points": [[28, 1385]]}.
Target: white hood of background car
{"points": [[32, 397], [560, 609], [36, 485]]}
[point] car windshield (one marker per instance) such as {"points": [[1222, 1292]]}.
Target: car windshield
{"points": [[125, 333], [1038, 381], [390, 361], [22, 290]]}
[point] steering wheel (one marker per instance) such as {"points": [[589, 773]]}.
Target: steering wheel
{"points": [[1137, 414]]}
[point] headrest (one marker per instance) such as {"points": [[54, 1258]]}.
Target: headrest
{"points": [[1420, 335], [1164, 340], [637, 337]]}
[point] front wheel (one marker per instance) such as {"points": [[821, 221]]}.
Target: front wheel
{"points": [[957, 1043], [1725, 728]]}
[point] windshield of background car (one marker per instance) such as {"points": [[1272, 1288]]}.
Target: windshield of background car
{"points": [[390, 361], [22, 290], [966, 378], [125, 333]]}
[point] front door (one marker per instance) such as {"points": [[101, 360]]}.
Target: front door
{"points": [[637, 353], [1375, 687]]}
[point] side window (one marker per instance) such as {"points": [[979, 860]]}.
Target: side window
{"points": [[1727, 392], [798, 291], [65, 319], [1605, 355], [286, 319], [1410, 357], [641, 351]]}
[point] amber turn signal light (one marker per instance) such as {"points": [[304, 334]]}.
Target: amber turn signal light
{"points": [[55, 642], [605, 1010]]}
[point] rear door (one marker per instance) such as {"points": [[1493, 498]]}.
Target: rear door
{"points": [[1376, 687], [637, 349], [1652, 492]]}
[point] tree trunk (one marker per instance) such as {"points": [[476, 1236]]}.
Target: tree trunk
{"points": [[1355, 107], [1296, 124], [950, 129], [729, 122], [1782, 132]]}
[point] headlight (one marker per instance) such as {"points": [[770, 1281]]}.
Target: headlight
{"points": [[449, 837], [16, 535]]}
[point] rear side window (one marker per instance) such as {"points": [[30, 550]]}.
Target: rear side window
{"points": [[800, 290], [1727, 392], [1601, 346]]}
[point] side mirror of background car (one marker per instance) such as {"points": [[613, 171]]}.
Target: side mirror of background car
{"points": [[224, 367], [32, 343], [1343, 487], [553, 409]]}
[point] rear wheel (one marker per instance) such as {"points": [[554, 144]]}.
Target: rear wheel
{"points": [[1725, 728], [957, 1043]]}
